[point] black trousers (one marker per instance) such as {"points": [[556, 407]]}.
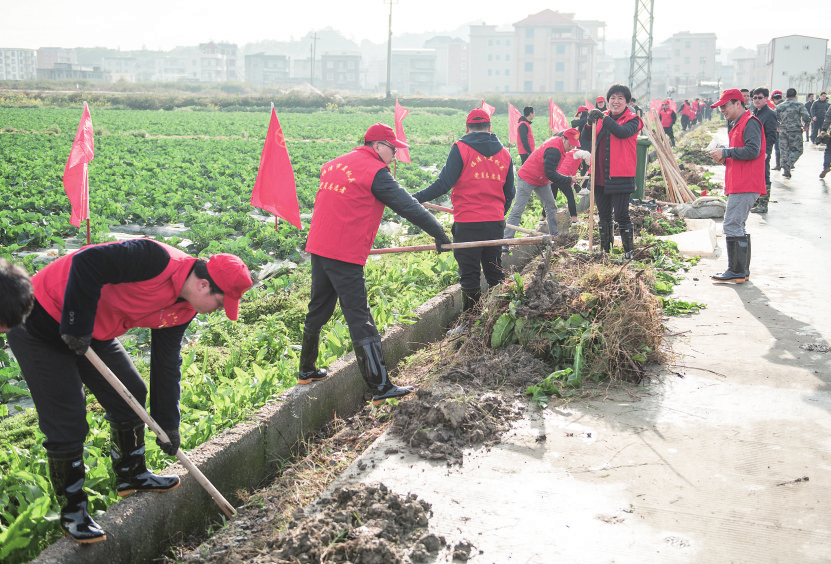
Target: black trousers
{"points": [[670, 134], [334, 280], [568, 192], [607, 203], [523, 158], [488, 258], [56, 377]]}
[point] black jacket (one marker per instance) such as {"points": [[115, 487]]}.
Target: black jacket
{"points": [[770, 124], [819, 108]]}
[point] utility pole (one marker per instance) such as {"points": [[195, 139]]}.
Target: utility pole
{"points": [[313, 48], [640, 61], [389, 48]]}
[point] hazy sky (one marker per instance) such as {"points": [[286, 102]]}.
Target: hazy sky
{"points": [[164, 24]]}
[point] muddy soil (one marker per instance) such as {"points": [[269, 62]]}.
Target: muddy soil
{"points": [[468, 396]]}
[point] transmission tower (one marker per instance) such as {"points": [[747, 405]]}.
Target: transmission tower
{"points": [[640, 62]]}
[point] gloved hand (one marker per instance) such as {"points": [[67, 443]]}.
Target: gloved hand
{"points": [[595, 115], [443, 240], [585, 155], [78, 343], [823, 138], [175, 440]]}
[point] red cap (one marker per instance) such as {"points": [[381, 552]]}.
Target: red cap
{"points": [[383, 132], [776, 93], [727, 95], [572, 136], [478, 116], [581, 109], [666, 102], [600, 99], [232, 276]]}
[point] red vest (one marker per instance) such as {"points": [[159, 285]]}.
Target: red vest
{"points": [[666, 117], [568, 164], [519, 146], [687, 110], [477, 194], [623, 156], [346, 215], [745, 176], [533, 171], [150, 303]]}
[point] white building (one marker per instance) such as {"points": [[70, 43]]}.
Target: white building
{"points": [[18, 64], [795, 61]]}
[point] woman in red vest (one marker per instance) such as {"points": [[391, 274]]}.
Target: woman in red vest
{"points": [[667, 117], [615, 162], [744, 180], [85, 300]]}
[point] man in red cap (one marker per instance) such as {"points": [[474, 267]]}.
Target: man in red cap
{"points": [[667, 117], [354, 189], [480, 173], [601, 104], [744, 180], [581, 115], [525, 135], [87, 299], [537, 173]]}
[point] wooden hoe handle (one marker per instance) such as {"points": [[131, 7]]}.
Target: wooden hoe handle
{"points": [[142, 413]]}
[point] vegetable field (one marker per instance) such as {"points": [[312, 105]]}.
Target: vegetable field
{"points": [[195, 169]]}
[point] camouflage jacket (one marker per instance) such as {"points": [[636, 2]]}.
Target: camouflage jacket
{"points": [[792, 115], [826, 122]]}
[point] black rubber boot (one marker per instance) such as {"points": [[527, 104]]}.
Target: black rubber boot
{"points": [[470, 298], [627, 237], [607, 236], [778, 162], [786, 171], [67, 472], [747, 262], [308, 358], [371, 363], [736, 258], [127, 453]]}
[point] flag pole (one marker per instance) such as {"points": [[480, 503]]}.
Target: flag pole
{"points": [[591, 187], [88, 231]]}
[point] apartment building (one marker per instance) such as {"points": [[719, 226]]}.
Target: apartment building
{"points": [[48, 56], [340, 70], [219, 62], [793, 60], [692, 61], [18, 64], [267, 70], [452, 64]]}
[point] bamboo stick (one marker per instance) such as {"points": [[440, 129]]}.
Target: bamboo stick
{"points": [[509, 226], [591, 188], [150, 422], [544, 240]]}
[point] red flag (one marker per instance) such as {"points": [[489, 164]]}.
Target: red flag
{"points": [[75, 179], [513, 123], [488, 108], [556, 118], [589, 105], [275, 190], [402, 155]]}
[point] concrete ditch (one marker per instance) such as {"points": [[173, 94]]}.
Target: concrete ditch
{"points": [[143, 526]]}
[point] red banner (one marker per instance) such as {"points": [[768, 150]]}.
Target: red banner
{"points": [[589, 105], [75, 178], [556, 118], [402, 155], [488, 108], [513, 123], [275, 190]]}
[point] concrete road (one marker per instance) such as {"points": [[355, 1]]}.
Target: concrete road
{"points": [[725, 456]]}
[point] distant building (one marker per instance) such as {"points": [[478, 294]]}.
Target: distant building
{"points": [[302, 69], [267, 70], [491, 59], [796, 61], [173, 69], [219, 62], [452, 64], [48, 56], [692, 61], [546, 52], [120, 68], [61, 71], [18, 64], [340, 70], [413, 71]]}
